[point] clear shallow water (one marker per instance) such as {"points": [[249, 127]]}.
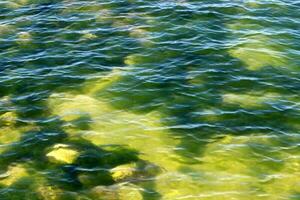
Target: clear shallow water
{"points": [[151, 100]]}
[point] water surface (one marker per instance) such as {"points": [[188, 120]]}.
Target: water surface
{"points": [[149, 100]]}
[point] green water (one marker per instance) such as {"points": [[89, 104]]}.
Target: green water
{"points": [[149, 100]]}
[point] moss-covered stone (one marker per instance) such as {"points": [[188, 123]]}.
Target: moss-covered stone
{"points": [[8, 119], [24, 38], [62, 153], [117, 192], [249, 100], [6, 29], [129, 192], [49, 193], [104, 192], [13, 174], [123, 172]]}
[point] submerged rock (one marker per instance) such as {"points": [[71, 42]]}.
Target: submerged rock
{"points": [[88, 36], [13, 174], [6, 29], [117, 192], [49, 193], [129, 192], [249, 100], [8, 119], [258, 51], [104, 192], [24, 38], [123, 172], [92, 178], [97, 84], [62, 153], [134, 171]]}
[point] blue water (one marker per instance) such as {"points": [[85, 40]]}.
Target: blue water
{"points": [[148, 100]]}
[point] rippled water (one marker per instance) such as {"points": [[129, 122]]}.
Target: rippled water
{"points": [[144, 99]]}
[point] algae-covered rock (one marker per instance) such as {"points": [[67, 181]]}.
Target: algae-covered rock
{"points": [[88, 7], [24, 38], [62, 153], [117, 192], [49, 193], [104, 192], [142, 36], [134, 59], [16, 4], [134, 171], [8, 119], [13, 174], [249, 100], [129, 192], [93, 178], [88, 36], [6, 29], [11, 134], [123, 172], [71, 107], [259, 51], [102, 81]]}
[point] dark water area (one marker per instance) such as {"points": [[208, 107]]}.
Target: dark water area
{"points": [[149, 100]]}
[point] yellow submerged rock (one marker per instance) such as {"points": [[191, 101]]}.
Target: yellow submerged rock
{"points": [[102, 81], [13, 174], [63, 154], [24, 38], [257, 58], [123, 172], [129, 192], [104, 192], [249, 100], [11, 134], [255, 48], [6, 29], [8, 118], [125, 191], [49, 193]]}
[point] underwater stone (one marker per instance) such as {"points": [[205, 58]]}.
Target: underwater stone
{"points": [[93, 86], [6, 29], [24, 38], [123, 172], [104, 192], [129, 192], [249, 100], [12, 134], [8, 118], [49, 193], [104, 16], [13, 174], [258, 52], [133, 59], [62, 153], [88, 36], [142, 36], [134, 171], [117, 192]]}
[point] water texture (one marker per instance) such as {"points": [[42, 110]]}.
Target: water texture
{"points": [[149, 99]]}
